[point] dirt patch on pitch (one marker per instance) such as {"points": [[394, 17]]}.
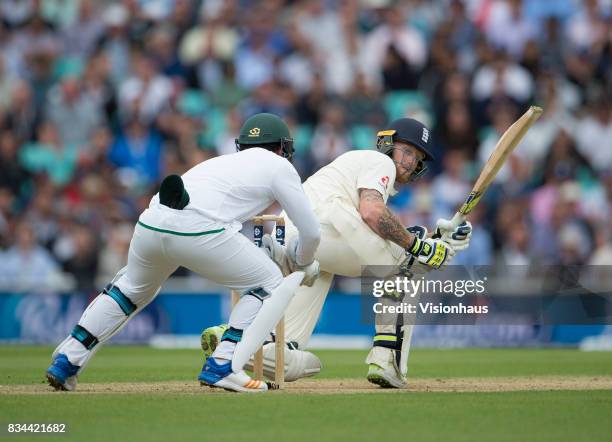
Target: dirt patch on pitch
{"points": [[459, 385], [342, 386]]}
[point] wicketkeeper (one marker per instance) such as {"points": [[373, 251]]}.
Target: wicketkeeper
{"points": [[194, 221], [349, 198]]}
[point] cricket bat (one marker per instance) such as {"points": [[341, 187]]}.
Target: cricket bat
{"points": [[503, 149]]}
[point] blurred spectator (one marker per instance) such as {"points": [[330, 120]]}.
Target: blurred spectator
{"points": [[13, 176], [81, 36], [551, 43], [463, 34], [36, 41], [226, 143], [594, 138], [228, 93], [17, 12], [563, 163], [509, 28], [574, 245], [457, 130], [26, 265], [138, 148], [502, 79], [115, 43], [73, 111], [586, 31], [23, 116], [330, 37], [210, 44], [515, 252], [6, 213], [8, 82], [95, 158], [43, 214], [161, 43], [261, 44], [307, 108], [97, 84], [81, 257], [266, 97], [301, 65], [330, 138], [393, 50], [113, 255], [361, 105], [450, 187], [144, 94], [603, 247], [50, 156]]}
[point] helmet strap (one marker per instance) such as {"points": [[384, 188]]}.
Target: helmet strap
{"points": [[287, 148], [420, 170]]}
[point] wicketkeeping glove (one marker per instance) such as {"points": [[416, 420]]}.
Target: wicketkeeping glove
{"points": [[285, 259], [458, 238], [277, 253]]}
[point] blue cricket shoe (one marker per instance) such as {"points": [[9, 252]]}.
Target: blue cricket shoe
{"points": [[61, 375], [222, 376]]}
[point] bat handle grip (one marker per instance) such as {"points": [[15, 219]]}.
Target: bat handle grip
{"points": [[456, 220]]}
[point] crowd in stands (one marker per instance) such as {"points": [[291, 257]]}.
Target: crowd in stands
{"points": [[99, 100]]}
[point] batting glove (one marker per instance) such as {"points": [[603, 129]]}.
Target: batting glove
{"points": [[431, 252], [458, 237]]}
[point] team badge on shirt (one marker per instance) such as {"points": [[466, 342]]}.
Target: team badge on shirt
{"points": [[384, 181]]}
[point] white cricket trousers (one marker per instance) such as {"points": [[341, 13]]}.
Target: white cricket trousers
{"points": [[347, 244], [222, 255]]}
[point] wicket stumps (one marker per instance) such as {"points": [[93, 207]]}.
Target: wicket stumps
{"points": [[279, 347]]}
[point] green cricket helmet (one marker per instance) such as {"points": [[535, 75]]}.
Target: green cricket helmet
{"points": [[265, 130], [407, 130]]}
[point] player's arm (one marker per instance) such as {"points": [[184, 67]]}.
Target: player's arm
{"points": [[377, 215], [289, 192], [374, 212]]}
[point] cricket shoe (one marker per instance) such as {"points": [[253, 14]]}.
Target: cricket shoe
{"points": [[383, 370], [61, 374], [221, 376], [298, 363]]}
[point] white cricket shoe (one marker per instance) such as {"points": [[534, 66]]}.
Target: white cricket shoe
{"points": [[382, 369]]}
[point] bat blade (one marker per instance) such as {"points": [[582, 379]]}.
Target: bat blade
{"points": [[504, 147]]}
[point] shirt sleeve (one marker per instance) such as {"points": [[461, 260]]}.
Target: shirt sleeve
{"points": [[378, 174], [288, 191]]}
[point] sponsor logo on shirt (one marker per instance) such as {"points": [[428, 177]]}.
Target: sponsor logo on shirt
{"points": [[384, 181]]}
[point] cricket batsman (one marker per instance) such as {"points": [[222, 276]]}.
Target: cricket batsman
{"points": [[349, 198], [194, 221]]}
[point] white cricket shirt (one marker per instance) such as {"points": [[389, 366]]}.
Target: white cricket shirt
{"points": [[230, 189], [354, 170]]}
